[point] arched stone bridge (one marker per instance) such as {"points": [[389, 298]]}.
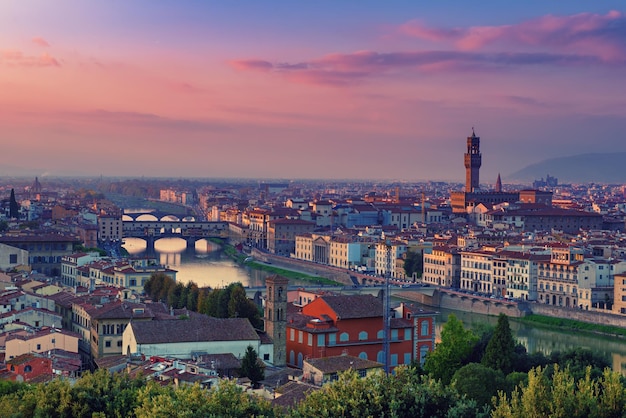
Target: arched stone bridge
{"points": [[156, 215], [152, 231]]}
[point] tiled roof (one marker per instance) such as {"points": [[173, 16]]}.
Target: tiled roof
{"points": [[342, 363], [189, 330], [353, 306]]}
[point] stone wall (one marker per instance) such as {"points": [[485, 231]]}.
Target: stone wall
{"points": [[467, 303], [313, 269], [593, 317]]}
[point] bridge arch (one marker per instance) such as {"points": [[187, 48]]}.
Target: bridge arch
{"points": [[170, 218], [146, 217]]}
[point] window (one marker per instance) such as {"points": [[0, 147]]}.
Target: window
{"points": [[27, 369], [425, 328], [300, 337], [407, 334], [266, 357], [321, 340], [119, 343], [362, 372], [394, 359], [407, 358], [380, 335], [12, 258], [107, 344], [332, 339], [362, 336], [363, 355], [344, 337], [394, 335], [310, 339], [292, 334]]}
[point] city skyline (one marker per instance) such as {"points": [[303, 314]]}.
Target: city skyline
{"points": [[313, 90]]}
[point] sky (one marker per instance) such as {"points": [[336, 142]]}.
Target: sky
{"points": [[319, 89]]}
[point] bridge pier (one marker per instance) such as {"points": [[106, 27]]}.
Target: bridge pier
{"points": [[150, 244], [191, 243]]}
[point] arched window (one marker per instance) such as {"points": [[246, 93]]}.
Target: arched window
{"points": [[28, 369], [380, 335], [300, 360], [363, 355], [362, 336], [292, 358], [380, 357], [344, 336]]}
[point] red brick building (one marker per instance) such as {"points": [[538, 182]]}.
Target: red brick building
{"points": [[353, 325]]}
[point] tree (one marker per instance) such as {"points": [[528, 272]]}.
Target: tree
{"points": [[564, 396], [500, 352], [251, 368], [239, 306], [404, 395], [413, 263], [14, 207], [452, 352], [479, 382]]}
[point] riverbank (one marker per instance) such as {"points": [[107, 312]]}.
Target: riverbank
{"points": [[573, 325], [244, 260]]}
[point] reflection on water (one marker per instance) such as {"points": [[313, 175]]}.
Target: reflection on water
{"points": [[206, 265], [546, 340]]}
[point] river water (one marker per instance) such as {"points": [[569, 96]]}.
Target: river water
{"points": [[207, 265]]}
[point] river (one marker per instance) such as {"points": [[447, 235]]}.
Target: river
{"points": [[207, 265]]}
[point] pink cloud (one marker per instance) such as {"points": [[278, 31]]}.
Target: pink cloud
{"points": [[584, 39], [251, 65], [347, 69], [37, 40], [602, 36], [14, 58]]}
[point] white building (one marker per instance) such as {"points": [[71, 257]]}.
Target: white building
{"points": [[187, 338]]}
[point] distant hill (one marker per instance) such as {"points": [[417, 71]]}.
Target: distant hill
{"points": [[583, 168]]}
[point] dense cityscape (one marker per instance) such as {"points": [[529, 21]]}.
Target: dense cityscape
{"points": [[75, 301], [312, 209]]}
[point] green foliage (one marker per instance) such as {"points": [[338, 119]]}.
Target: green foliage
{"points": [[14, 207], [227, 400], [564, 396], [413, 263], [404, 395], [577, 361], [479, 382], [452, 352], [251, 367], [573, 324], [4, 226], [230, 302], [83, 249], [500, 352]]}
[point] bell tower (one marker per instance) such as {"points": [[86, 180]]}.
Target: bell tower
{"points": [[473, 160], [276, 316]]}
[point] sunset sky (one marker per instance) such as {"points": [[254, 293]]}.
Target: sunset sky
{"points": [[315, 89]]}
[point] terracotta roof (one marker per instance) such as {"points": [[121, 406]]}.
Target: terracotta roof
{"points": [[188, 330], [353, 306], [341, 363], [292, 393]]}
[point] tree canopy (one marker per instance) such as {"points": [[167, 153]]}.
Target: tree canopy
{"points": [[452, 352], [500, 351]]}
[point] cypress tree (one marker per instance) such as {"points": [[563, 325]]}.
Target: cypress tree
{"points": [[500, 351], [14, 208]]}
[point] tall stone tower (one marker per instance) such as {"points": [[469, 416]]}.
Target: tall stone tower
{"points": [[276, 316], [473, 160]]}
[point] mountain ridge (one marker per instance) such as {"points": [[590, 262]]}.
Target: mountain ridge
{"points": [[580, 168]]}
